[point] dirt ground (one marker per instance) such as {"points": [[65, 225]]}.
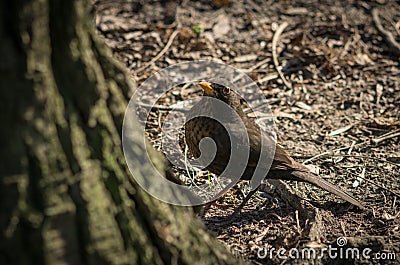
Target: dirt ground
{"points": [[333, 89]]}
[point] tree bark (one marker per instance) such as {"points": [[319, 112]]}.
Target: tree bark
{"points": [[66, 196]]}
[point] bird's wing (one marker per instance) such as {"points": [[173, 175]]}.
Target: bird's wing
{"points": [[250, 141], [281, 160]]}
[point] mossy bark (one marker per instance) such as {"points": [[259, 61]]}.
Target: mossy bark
{"points": [[66, 196]]}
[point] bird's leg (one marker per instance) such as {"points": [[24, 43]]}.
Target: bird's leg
{"points": [[232, 217]]}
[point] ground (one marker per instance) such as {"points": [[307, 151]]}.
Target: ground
{"points": [[333, 90]]}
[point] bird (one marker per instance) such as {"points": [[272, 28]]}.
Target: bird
{"points": [[283, 166]]}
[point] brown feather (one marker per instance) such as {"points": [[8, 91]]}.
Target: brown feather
{"points": [[283, 166]]}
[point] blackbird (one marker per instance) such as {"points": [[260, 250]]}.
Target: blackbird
{"points": [[283, 166]]}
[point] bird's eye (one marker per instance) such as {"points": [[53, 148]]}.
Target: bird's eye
{"points": [[226, 90]]}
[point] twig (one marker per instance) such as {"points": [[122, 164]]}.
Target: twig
{"points": [[330, 152], [385, 33], [375, 183], [256, 106], [275, 54], [162, 52], [356, 156], [187, 168], [254, 67], [298, 222], [268, 78], [386, 137], [372, 158], [167, 108], [351, 147], [161, 107]]}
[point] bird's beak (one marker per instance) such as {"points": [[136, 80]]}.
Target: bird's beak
{"points": [[206, 86]]}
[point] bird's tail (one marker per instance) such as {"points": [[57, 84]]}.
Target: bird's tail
{"points": [[325, 185]]}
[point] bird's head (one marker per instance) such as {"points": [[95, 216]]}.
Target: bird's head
{"points": [[221, 92]]}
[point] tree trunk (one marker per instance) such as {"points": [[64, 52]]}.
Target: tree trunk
{"points": [[66, 196]]}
